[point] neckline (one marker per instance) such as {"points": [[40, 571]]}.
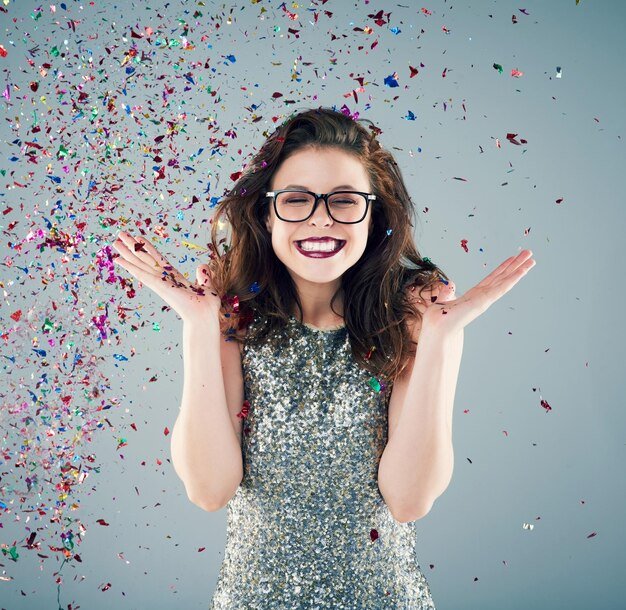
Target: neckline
{"points": [[332, 329]]}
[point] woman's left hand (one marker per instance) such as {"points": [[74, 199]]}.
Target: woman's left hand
{"points": [[443, 313]]}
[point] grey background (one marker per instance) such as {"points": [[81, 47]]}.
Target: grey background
{"points": [[558, 335]]}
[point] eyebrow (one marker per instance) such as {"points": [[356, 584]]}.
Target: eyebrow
{"points": [[304, 188]]}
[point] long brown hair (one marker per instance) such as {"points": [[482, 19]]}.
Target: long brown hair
{"points": [[250, 278]]}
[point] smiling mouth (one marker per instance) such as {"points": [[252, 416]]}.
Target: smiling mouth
{"points": [[320, 249]]}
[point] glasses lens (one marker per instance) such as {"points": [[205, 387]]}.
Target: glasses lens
{"points": [[344, 206]]}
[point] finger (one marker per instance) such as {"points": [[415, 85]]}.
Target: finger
{"points": [[125, 245], [203, 276], [146, 251], [138, 272], [510, 264], [444, 292], [516, 261], [507, 282], [144, 255], [159, 284]]}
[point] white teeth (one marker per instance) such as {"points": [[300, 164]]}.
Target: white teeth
{"points": [[319, 246]]}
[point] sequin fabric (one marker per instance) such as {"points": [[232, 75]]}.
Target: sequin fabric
{"points": [[308, 527]]}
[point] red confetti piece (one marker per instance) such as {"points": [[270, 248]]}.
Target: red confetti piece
{"points": [[102, 522], [511, 137], [245, 409], [166, 431], [545, 405], [16, 315], [464, 245], [373, 535], [378, 18]]}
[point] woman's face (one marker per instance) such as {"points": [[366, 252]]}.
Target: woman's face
{"points": [[319, 171]]}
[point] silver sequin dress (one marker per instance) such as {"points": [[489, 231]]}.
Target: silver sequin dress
{"points": [[308, 527]]}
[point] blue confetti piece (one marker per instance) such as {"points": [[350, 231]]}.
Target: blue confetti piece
{"points": [[254, 287], [409, 117], [391, 81], [395, 30]]}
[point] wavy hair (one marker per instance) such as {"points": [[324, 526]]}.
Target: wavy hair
{"points": [[251, 279]]}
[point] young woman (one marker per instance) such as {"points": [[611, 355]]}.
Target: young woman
{"points": [[319, 382]]}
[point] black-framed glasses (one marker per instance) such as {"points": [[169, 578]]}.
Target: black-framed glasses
{"points": [[346, 207]]}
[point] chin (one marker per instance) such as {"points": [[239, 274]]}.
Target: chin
{"points": [[327, 277]]}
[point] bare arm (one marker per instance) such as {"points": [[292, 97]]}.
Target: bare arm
{"points": [[206, 451], [206, 439], [416, 465]]}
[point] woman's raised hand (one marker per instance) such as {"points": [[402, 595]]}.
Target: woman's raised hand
{"points": [[191, 301], [449, 315]]}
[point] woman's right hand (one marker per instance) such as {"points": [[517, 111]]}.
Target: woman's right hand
{"points": [[192, 302]]}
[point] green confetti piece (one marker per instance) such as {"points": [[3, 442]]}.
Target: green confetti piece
{"points": [[374, 384]]}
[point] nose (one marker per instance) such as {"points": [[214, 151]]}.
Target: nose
{"points": [[320, 216]]}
